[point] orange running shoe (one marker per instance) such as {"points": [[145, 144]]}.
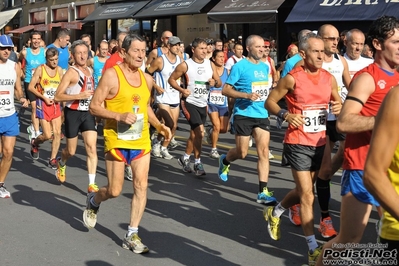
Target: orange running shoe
{"points": [[60, 172], [293, 214], [326, 228], [92, 188]]}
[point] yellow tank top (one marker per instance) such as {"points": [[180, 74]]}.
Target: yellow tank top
{"points": [[48, 84], [390, 226], [128, 99]]}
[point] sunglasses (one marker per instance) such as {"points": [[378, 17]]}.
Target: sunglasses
{"points": [[6, 48]]}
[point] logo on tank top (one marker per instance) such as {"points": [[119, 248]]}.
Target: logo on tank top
{"points": [[136, 98], [381, 84], [259, 75], [200, 70]]}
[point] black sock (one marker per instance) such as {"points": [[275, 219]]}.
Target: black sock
{"points": [[262, 185], [1, 184], [325, 215], [225, 162], [323, 193]]}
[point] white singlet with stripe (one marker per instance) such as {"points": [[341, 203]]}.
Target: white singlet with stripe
{"points": [[198, 76], [7, 85], [355, 65], [84, 83], [336, 68], [170, 96]]}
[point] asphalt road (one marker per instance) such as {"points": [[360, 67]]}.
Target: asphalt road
{"points": [[188, 220]]}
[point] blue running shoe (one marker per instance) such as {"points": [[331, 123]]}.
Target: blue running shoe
{"points": [[223, 169], [266, 197]]}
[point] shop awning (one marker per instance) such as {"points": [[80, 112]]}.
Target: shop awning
{"points": [[116, 11], [22, 29], [160, 8], [47, 27], [341, 10], [244, 11], [6, 16]]}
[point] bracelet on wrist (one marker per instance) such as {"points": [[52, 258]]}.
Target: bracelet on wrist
{"points": [[281, 114]]}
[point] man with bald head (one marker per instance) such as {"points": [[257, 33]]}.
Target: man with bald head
{"points": [[163, 49], [354, 43]]}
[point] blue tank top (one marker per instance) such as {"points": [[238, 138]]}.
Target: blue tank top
{"points": [[63, 56], [97, 70], [215, 94], [32, 62]]}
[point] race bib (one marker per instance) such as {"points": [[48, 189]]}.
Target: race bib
{"points": [[49, 93], [315, 117], [216, 97], [5, 99], [201, 89], [131, 132], [261, 88]]}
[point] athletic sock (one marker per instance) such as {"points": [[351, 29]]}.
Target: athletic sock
{"points": [[186, 156], [278, 210], [132, 230], [262, 185], [225, 162], [197, 160], [92, 178], [312, 244], [323, 193]]}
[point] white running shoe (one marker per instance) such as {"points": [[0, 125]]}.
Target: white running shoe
{"points": [[250, 141], [156, 150], [128, 173], [4, 193], [271, 156], [165, 154]]}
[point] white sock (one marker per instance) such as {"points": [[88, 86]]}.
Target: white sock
{"points": [[132, 230], [278, 210], [197, 160], [37, 134], [163, 148], [312, 244], [92, 179], [186, 156]]}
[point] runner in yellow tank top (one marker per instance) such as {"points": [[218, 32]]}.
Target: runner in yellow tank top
{"points": [[43, 85], [381, 174], [125, 89]]}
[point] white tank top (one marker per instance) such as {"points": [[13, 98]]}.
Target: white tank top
{"points": [[198, 76], [170, 96], [355, 65], [336, 68], [84, 83], [7, 85]]}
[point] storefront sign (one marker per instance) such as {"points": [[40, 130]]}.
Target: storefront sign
{"points": [[71, 25], [246, 3], [167, 5], [355, 2]]}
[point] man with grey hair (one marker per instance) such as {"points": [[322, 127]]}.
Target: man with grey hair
{"points": [[125, 89], [354, 43], [76, 90], [308, 90]]}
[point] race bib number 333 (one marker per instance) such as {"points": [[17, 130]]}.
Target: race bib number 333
{"points": [[315, 117]]}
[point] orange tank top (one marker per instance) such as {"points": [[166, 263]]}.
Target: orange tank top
{"points": [[310, 97]]}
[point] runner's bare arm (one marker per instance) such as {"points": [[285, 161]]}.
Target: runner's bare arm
{"points": [[156, 65], [179, 71], [384, 142], [346, 78], [350, 120], [152, 118], [70, 78], [18, 87], [35, 80], [336, 101], [215, 77]]}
